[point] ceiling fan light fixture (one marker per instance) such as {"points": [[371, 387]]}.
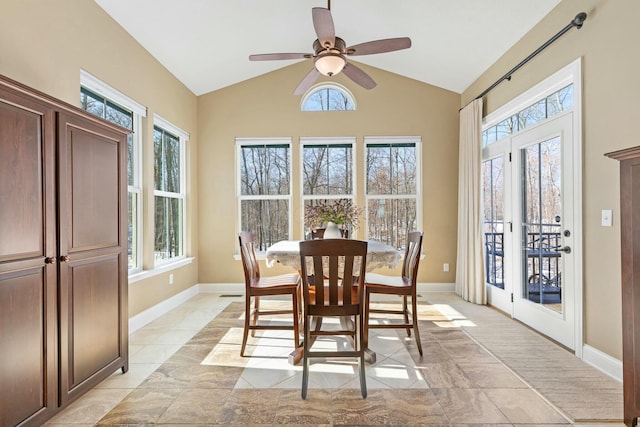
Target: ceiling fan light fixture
{"points": [[330, 63]]}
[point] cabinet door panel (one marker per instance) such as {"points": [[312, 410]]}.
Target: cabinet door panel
{"points": [[28, 286], [94, 190], [21, 206], [94, 294], [93, 250], [23, 356]]}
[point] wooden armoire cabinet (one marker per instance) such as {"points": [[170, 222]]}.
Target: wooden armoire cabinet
{"points": [[63, 253], [630, 238]]}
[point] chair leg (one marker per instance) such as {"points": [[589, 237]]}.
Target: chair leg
{"points": [[365, 328], [247, 315], [405, 310], [296, 317], [361, 362], [305, 357], [416, 330], [256, 313]]}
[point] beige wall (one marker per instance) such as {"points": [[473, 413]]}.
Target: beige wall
{"points": [[44, 44], [608, 44], [265, 107]]}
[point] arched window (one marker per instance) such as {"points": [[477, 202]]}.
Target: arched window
{"points": [[328, 97]]}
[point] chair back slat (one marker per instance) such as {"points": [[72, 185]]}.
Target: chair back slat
{"points": [[249, 260], [318, 272], [412, 257]]}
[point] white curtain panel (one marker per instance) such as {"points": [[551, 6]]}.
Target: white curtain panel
{"points": [[470, 259]]}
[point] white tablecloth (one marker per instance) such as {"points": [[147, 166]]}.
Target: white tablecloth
{"points": [[287, 252]]}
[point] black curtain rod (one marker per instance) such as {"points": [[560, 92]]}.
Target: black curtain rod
{"points": [[576, 22]]}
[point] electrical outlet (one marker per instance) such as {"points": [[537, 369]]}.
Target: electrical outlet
{"points": [[171, 279], [606, 218], [445, 267]]}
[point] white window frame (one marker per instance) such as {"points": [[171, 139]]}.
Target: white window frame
{"points": [[240, 197], [417, 140], [327, 141], [183, 137], [570, 74], [139, 111]]}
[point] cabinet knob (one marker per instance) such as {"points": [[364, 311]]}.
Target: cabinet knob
{"points": [[49, 260], [64, 258]]}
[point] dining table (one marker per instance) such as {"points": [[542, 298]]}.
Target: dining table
{"points": [[287, 253]]}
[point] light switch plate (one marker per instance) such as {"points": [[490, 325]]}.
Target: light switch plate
{"points": [[606, 218]]}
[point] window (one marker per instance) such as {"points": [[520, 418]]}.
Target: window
{"points": [[264, 186], [169, 148], [98, 98], [392, 188], [556, 103], [327, 169], [328, 97], [493, 197]]}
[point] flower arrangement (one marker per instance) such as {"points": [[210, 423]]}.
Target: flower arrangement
{"points": [[340, 211]]}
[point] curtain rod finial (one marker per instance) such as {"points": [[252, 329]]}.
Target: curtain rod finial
{"points": [[579, 20]]}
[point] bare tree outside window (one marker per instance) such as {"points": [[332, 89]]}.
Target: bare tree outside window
{"points": [[493, 204], [328, 97], [327, 169], [327, 172], [556, 103], [169, 198], [265, 182], [392, 191]]}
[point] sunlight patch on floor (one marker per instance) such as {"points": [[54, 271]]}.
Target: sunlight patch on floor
{"points": [[266, 362]]}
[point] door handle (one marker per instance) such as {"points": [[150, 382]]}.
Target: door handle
{"points": [[50, 260], [565, 249], [64, 258]]}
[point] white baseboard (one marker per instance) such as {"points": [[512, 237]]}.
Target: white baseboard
{"points": [[603, 362], [435, 287], [222, 288], [139, 320]]}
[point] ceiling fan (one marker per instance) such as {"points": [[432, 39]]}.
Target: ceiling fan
{"points": [[330, 53]]}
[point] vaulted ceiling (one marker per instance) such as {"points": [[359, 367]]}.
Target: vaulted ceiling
{"points": [[206, 43]]}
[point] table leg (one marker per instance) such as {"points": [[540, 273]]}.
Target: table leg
{"points": [[295, 357]]}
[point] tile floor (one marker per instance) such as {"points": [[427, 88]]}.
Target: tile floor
{"points": [[479, 368]]}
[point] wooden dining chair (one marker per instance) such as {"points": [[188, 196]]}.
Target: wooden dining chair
{"points": [[342, 264], [257, 286], [403, 285]]}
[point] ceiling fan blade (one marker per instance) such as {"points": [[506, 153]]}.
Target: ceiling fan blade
{"points": [[358, 76], [323, 24], [307, 82], [275, 56], [379, 46]]}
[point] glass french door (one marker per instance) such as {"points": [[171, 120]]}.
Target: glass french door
{"points": [[529, 217], [496, 182]]}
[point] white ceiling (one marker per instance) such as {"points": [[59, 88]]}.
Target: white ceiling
{"points": [[206, 43]]}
